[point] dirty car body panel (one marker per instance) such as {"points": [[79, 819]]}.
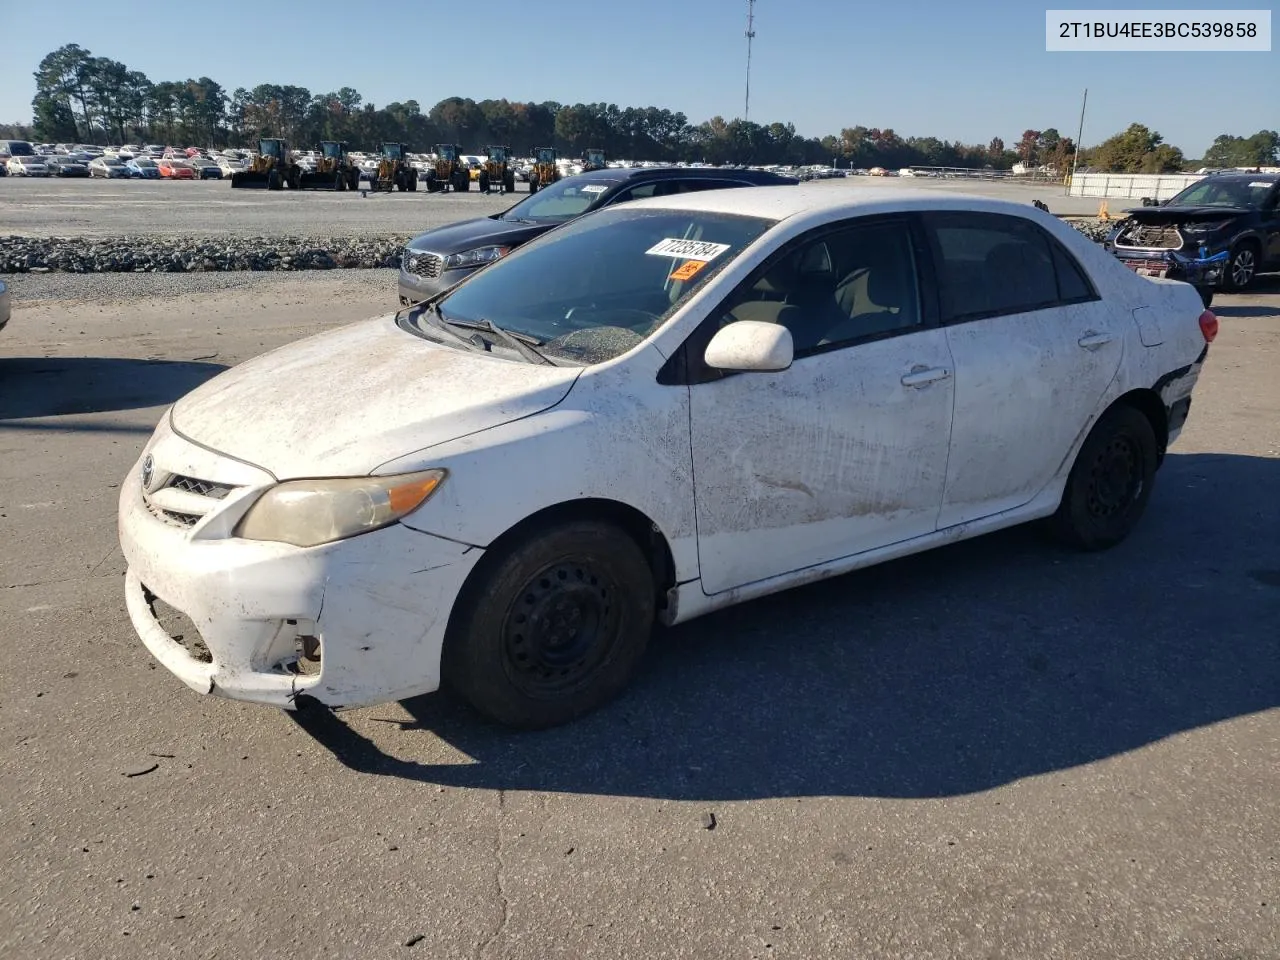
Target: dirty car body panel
{"points": [[914, 409]]}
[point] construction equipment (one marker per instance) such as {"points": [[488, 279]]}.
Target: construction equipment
{"points": [[497, 170], [448, 172], [593, 159], [273, 168], [334, 170], [545, 171], [394, 170]]}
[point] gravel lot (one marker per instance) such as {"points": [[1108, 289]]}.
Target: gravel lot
{"points": [[996, 750], [107, 208]]}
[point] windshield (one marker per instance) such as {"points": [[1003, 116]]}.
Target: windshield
{"points": [[140, 162], [1218, 192], [563, 200], [593, 289]]}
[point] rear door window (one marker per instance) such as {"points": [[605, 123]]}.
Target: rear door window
{"points": [[991, 264]]}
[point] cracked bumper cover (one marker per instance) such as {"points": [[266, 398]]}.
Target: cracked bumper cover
{"points": [[379, 604]]}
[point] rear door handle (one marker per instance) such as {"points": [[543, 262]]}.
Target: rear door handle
{"points": [[922, 378], [1092, 341]]}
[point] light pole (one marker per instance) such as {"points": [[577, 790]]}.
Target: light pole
{"points": [[751, 33], [1075, 157]]}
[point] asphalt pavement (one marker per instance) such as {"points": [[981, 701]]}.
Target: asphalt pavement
{"points": [[1000, 749]]}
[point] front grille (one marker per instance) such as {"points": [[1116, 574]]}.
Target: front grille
{"points": [[173, 517], [204, 488], [1151, 236], [426, 265]]}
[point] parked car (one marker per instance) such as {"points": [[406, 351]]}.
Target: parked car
{"points": [[143, 168], [662, 408], [1218, 233], [16, 148], [205, 169], [175, 169], [63, 165], [435, 261], [230, 165], [33, 166], [109, 167]]}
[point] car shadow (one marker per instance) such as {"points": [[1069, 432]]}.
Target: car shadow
{"points": [[1244, 310], [62, 386], [950, 672]]}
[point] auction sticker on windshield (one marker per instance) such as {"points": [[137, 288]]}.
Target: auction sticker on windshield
{"points": [[594, 188], [688, 270], [688, 249]]}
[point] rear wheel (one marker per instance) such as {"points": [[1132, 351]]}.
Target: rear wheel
{"points": [[273, 181], [533, 183], [1110, 483], [1241, 268], [553, 626]]}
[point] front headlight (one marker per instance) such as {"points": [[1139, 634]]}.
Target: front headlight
{"points": [[1198, 228], [475, 258], [307, 513]]}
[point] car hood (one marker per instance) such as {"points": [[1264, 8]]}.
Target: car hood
{"points": [[1171, 214], [484, 231], [346, 401]]}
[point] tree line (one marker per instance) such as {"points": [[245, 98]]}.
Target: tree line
{"points": [[85, 98]]}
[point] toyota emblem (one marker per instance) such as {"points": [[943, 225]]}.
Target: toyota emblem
{"points": [[147, 466]]}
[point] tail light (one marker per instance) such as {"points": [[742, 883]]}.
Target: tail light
{"points": [[1208, 325]]}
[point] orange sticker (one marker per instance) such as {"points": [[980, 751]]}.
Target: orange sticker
{"points": [[689, 270]]}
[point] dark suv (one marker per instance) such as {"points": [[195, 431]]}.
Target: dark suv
{"points": [[437, 260], [1218, 233]]}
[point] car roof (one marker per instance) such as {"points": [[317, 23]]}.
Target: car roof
{"points": [[1242, 175], [635, 174], [822, 199]]}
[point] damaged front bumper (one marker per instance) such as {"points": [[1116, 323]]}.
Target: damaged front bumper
{"points": [[1200, 269], [351, 623]]}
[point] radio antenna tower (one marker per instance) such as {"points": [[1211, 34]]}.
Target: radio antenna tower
{"points": [[751, 33]]}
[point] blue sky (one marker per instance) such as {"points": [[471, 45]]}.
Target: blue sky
{"points": [[959, 71]]}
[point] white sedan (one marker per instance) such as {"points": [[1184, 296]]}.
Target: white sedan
{"points": [[27, 167], [657, 410]]}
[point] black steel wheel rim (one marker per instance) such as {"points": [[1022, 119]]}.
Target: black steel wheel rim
{"points": [[561, 629], [1242, 267], [1115, 478]]}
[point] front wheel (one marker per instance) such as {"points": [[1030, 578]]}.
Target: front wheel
{"points": [[552, 627], [1110, 483], [1241, 268]]}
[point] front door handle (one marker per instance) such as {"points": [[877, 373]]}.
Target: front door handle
{"points": [[1092, 341], [922, 378]]}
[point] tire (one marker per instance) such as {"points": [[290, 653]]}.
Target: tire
{"points": [[520, 645], [510, 183], [533, 183], [273, 181], [411, 181], [483, 183], [1242, 268], [1110, 482]]}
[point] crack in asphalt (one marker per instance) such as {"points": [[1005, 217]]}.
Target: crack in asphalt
{"points": [[46, 583], [499, 881]]}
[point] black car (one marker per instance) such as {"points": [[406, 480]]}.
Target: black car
{"points": [[435, 261], [1218, 233], [60, 166]]}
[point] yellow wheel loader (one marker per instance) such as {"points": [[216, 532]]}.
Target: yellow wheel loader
{"points": [[497, 171], [448, 172], [593, 159], [545, 171], [394, 170], [272, 169], [334, 169]]}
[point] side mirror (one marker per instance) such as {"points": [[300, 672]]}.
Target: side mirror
{"points": [[751, 345]]}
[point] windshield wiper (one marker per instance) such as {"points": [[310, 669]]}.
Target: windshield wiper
{"points": [[522, 343], [436, 321]]}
